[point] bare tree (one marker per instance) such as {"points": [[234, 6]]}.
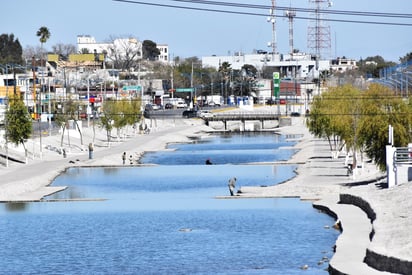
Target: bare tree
{"points": [[64, 50], [125, 53], [31, 51]]}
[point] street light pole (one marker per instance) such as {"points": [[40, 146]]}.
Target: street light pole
{"points": [[191, 86], [5, 69], [49, 107], [88, 101]]}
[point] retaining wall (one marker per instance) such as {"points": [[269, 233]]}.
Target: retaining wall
{"points": [[373, 259]]}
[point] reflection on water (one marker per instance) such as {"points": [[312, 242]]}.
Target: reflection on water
{"points": [[230, 148], [209, 180], [16, 206]]}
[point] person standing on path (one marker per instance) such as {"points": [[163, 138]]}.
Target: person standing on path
{"points": [[231, 185], [124, 158]]}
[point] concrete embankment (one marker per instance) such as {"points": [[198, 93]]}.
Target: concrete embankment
{"points": [[376, 222]]}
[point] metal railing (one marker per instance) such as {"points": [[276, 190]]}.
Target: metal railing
{"points": [[243, 116], [403, 155]]}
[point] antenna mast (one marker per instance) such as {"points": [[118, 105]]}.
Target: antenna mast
{"points": [[290, 14], [272, 19]]}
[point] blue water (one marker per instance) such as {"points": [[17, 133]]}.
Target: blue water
{"points": [[166, 219], [227, 148]]}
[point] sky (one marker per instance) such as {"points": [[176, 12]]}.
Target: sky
{"points": [[199, 33]]}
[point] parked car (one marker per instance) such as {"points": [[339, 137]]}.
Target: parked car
{"points": [[205, 114], [212, 104], [189, 113], [168, 106], [270, 102], [181, 104]]}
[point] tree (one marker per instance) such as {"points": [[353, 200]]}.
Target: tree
{"points": [[106, 121], [188, 72], [19, 122], [64, 50], [71, 109], [84, 51], [322, 119], [150, 50], [157, 70], [244, 81], [381, 108], [30, 51], [406, 58], [225, 70], [371, 65], [119, 114], [44, 34], [11, 51], [360, 120], [124, 53]]}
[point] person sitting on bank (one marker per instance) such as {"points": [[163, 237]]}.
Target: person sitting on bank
{"points": [[208, 162]]}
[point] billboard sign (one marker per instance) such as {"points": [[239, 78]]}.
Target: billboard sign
{"points": [[276, 84]]}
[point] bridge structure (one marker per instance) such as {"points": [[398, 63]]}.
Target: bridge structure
{"points": [[243, 118]]}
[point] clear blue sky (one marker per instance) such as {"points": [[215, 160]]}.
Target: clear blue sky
{"points": [[198, 33]]}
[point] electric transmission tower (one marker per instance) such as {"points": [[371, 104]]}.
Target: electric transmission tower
{"points": [[319, 41]]}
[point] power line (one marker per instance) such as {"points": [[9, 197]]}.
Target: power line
{"points": [[249, 6], [266, 7]]}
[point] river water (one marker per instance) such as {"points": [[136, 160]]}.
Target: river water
{"points": [[166, 219]]}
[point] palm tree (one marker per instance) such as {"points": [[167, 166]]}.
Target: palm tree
{"points": [[44, 35]]}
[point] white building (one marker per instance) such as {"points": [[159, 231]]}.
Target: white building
{"points": [[164, 52], [120, 45], [89, 43], [343, 64], [302, 66]]}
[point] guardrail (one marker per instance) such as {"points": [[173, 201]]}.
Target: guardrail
{"points": [[243, 116], [403, 155]]}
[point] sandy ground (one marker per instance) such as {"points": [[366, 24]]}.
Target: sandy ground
{"points": [[319, 178]]}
